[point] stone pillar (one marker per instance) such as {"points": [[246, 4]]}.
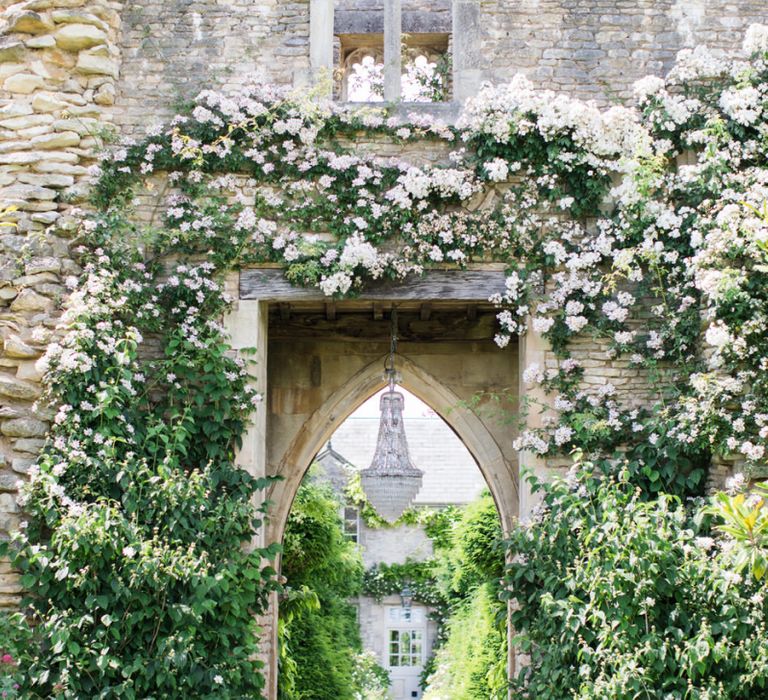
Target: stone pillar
{"points": [[392, 50], [248, 328], [321, 40], [533, 349], [467, 55]]}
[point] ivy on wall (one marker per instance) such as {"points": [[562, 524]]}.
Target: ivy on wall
{"points": [[132, 554]]}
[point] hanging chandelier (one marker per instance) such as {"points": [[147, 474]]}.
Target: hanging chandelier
{"points": [[391, 482]]}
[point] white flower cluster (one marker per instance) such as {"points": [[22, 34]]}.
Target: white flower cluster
{"points": [[517, 109], [743, 104], [756, 39]]}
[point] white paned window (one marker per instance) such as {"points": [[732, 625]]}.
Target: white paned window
{"points": [[351, 516], [405, 648]]}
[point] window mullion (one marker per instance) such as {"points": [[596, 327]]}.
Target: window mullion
{"points": [[321, 39], [392, 49]]}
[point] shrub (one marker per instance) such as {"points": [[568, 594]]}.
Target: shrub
{"points": [[471, 661], [318, 630], [15, 650], [623, 597]]}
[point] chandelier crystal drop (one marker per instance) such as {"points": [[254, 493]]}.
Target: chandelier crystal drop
{"points": [[392, 481]]}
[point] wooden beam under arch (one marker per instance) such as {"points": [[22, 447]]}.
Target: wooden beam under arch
{"points": [[460, 286]]}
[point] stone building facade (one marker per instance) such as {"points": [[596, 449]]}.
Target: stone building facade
{"points": [[451, 478], [75, 72]]}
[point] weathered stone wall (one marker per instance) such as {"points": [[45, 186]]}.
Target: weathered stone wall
{"points": [[598, 48], [591, 48], [71, 68], [172, 49], [59, 61]]}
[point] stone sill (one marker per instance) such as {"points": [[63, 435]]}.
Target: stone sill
{"points": [[447, 111]]}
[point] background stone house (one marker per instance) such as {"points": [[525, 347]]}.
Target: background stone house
{"points": [[451, 477]]}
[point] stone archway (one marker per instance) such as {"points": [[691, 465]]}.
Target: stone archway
{"points": [[469, 427], [317, 362]]}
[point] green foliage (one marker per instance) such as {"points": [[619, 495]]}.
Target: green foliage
{"points": [[319, 636], [472, 663], [136, 562], [663, 464], [624, 597], [478, 554], [370, 679], [383, 580], [16, 649], [745, 521]]}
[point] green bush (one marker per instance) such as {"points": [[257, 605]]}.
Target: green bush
{"points": [[15, 652], [618, 596], [319, 635], [370, 680], [470, 661], [139, 581]]}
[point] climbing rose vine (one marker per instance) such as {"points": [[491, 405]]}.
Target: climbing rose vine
{"points": [[626, 225]]}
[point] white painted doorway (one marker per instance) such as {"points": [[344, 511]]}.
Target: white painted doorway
{"points": [[406, 637]]}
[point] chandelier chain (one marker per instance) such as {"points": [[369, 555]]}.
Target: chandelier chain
{"points": [[389, 365]]}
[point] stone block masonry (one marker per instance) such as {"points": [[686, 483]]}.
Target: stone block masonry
{"points": [[59, 61], [73, 71]]}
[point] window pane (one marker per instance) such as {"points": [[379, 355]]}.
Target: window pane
{"points": [[365, 81], [351, 523]]}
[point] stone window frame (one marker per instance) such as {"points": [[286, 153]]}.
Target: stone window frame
{"points": [[352, 48], [466, 74], [351, 534], [349, 55]]}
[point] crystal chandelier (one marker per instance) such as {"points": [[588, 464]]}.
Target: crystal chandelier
{"points": [[391, 482]]}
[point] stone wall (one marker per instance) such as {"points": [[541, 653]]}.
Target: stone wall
{"points": [[591, 48], [598, 48], [69, 69], [59, 61], [173, 48]]}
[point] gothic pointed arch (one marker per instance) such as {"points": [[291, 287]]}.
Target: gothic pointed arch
{"points": [[500, 475]]}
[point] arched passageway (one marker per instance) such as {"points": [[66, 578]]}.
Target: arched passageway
{"points": [[318, 370], [384, 589]]}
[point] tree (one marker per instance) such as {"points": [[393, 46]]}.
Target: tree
{"points": [[318, 631]]}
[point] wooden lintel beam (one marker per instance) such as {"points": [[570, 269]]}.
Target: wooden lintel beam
{"points": [[378, 311], [426, 312], [330, 310], [471, 312], [467, 286], [359, 328]]}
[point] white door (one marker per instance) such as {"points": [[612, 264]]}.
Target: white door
{"points": [[406, 640]]}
